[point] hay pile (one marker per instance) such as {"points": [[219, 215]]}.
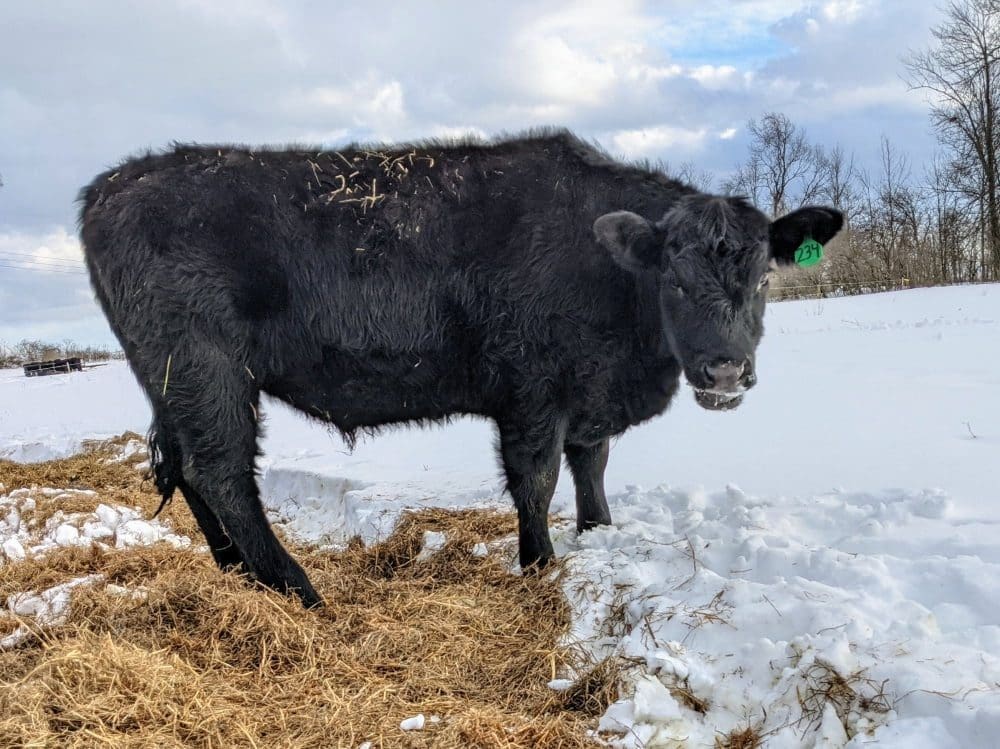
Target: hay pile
{"points": [[198, 658]]}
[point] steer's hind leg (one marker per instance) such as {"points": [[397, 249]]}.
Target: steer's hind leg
{"points": [[213, 406], [587, 465], [530, 454], [167, 465], [226, 553]]}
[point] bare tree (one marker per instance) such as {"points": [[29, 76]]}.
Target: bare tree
{"points": [[840, 176], [955, 227], [962, 74], [783, 171], [699, 178], [747, 181], [690, 174], [889, 216]]}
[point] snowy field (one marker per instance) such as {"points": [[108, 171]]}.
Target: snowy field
{"points": [[822, 564]]}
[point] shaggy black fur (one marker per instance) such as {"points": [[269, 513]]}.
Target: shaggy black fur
{"points": [[533, 281]]}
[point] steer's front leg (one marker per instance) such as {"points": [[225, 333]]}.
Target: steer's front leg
{"points": [[587, 465], [530, 453]]}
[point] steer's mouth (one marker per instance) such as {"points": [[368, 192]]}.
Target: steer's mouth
{"points": [[712, 400]]}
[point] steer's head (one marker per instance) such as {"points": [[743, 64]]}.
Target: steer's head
{"points": [[710, 257]]}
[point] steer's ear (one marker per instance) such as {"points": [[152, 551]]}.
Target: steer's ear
{"points": [[632, 241], [789, 232]]}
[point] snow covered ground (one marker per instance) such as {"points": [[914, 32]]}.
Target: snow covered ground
{"points": [[822, 564]]}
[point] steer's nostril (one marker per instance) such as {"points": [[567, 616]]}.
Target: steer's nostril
{"points": [[708, 373]]}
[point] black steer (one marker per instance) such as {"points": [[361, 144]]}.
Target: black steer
{"points": [[533, 281]]}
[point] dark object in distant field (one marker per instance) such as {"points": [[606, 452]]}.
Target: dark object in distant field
{"points": [[53, 366], [532, 281]]}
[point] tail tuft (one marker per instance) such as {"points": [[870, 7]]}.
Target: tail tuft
{"points": [[164, 463]]}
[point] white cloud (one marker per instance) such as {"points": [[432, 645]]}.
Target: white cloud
{"points": [[645, 73], [653, 140], [728, 134], [57, 246], [557, 72], [692, 23], [843, 11], [323, 137], [360, 103], [458, 132], [594, 22], [717, 77], [44, 290], [265, 14], [576, 55], [887, 93]]}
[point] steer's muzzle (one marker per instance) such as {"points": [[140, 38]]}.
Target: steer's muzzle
{"points": [[719, 385]]}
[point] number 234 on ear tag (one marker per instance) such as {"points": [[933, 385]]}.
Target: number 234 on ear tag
{"points": [[809, 253]]}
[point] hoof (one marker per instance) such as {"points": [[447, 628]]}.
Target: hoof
{"points": [[586, 525], [536, 566]]}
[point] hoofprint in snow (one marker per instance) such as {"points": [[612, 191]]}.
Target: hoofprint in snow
{"points": [[844, 595]]}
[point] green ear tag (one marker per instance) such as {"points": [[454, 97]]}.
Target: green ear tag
{"points": [[809, 253]]}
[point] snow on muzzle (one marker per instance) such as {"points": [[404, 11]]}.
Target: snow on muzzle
{"points": [[717, 401]]}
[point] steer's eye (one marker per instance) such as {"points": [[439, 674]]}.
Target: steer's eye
{"points": [[678, 291]]}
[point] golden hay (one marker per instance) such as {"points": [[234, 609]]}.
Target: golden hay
{"points": [[206, 660], [91, 469], [825, 685], [96, 468], [740, 738]]}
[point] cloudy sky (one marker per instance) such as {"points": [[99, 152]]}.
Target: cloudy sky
{"points": [[83, 84]]}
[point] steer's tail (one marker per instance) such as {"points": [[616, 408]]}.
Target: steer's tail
{"points": [[164, 461]]}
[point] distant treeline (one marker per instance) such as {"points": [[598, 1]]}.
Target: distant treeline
{"points": [[28, 351]]}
